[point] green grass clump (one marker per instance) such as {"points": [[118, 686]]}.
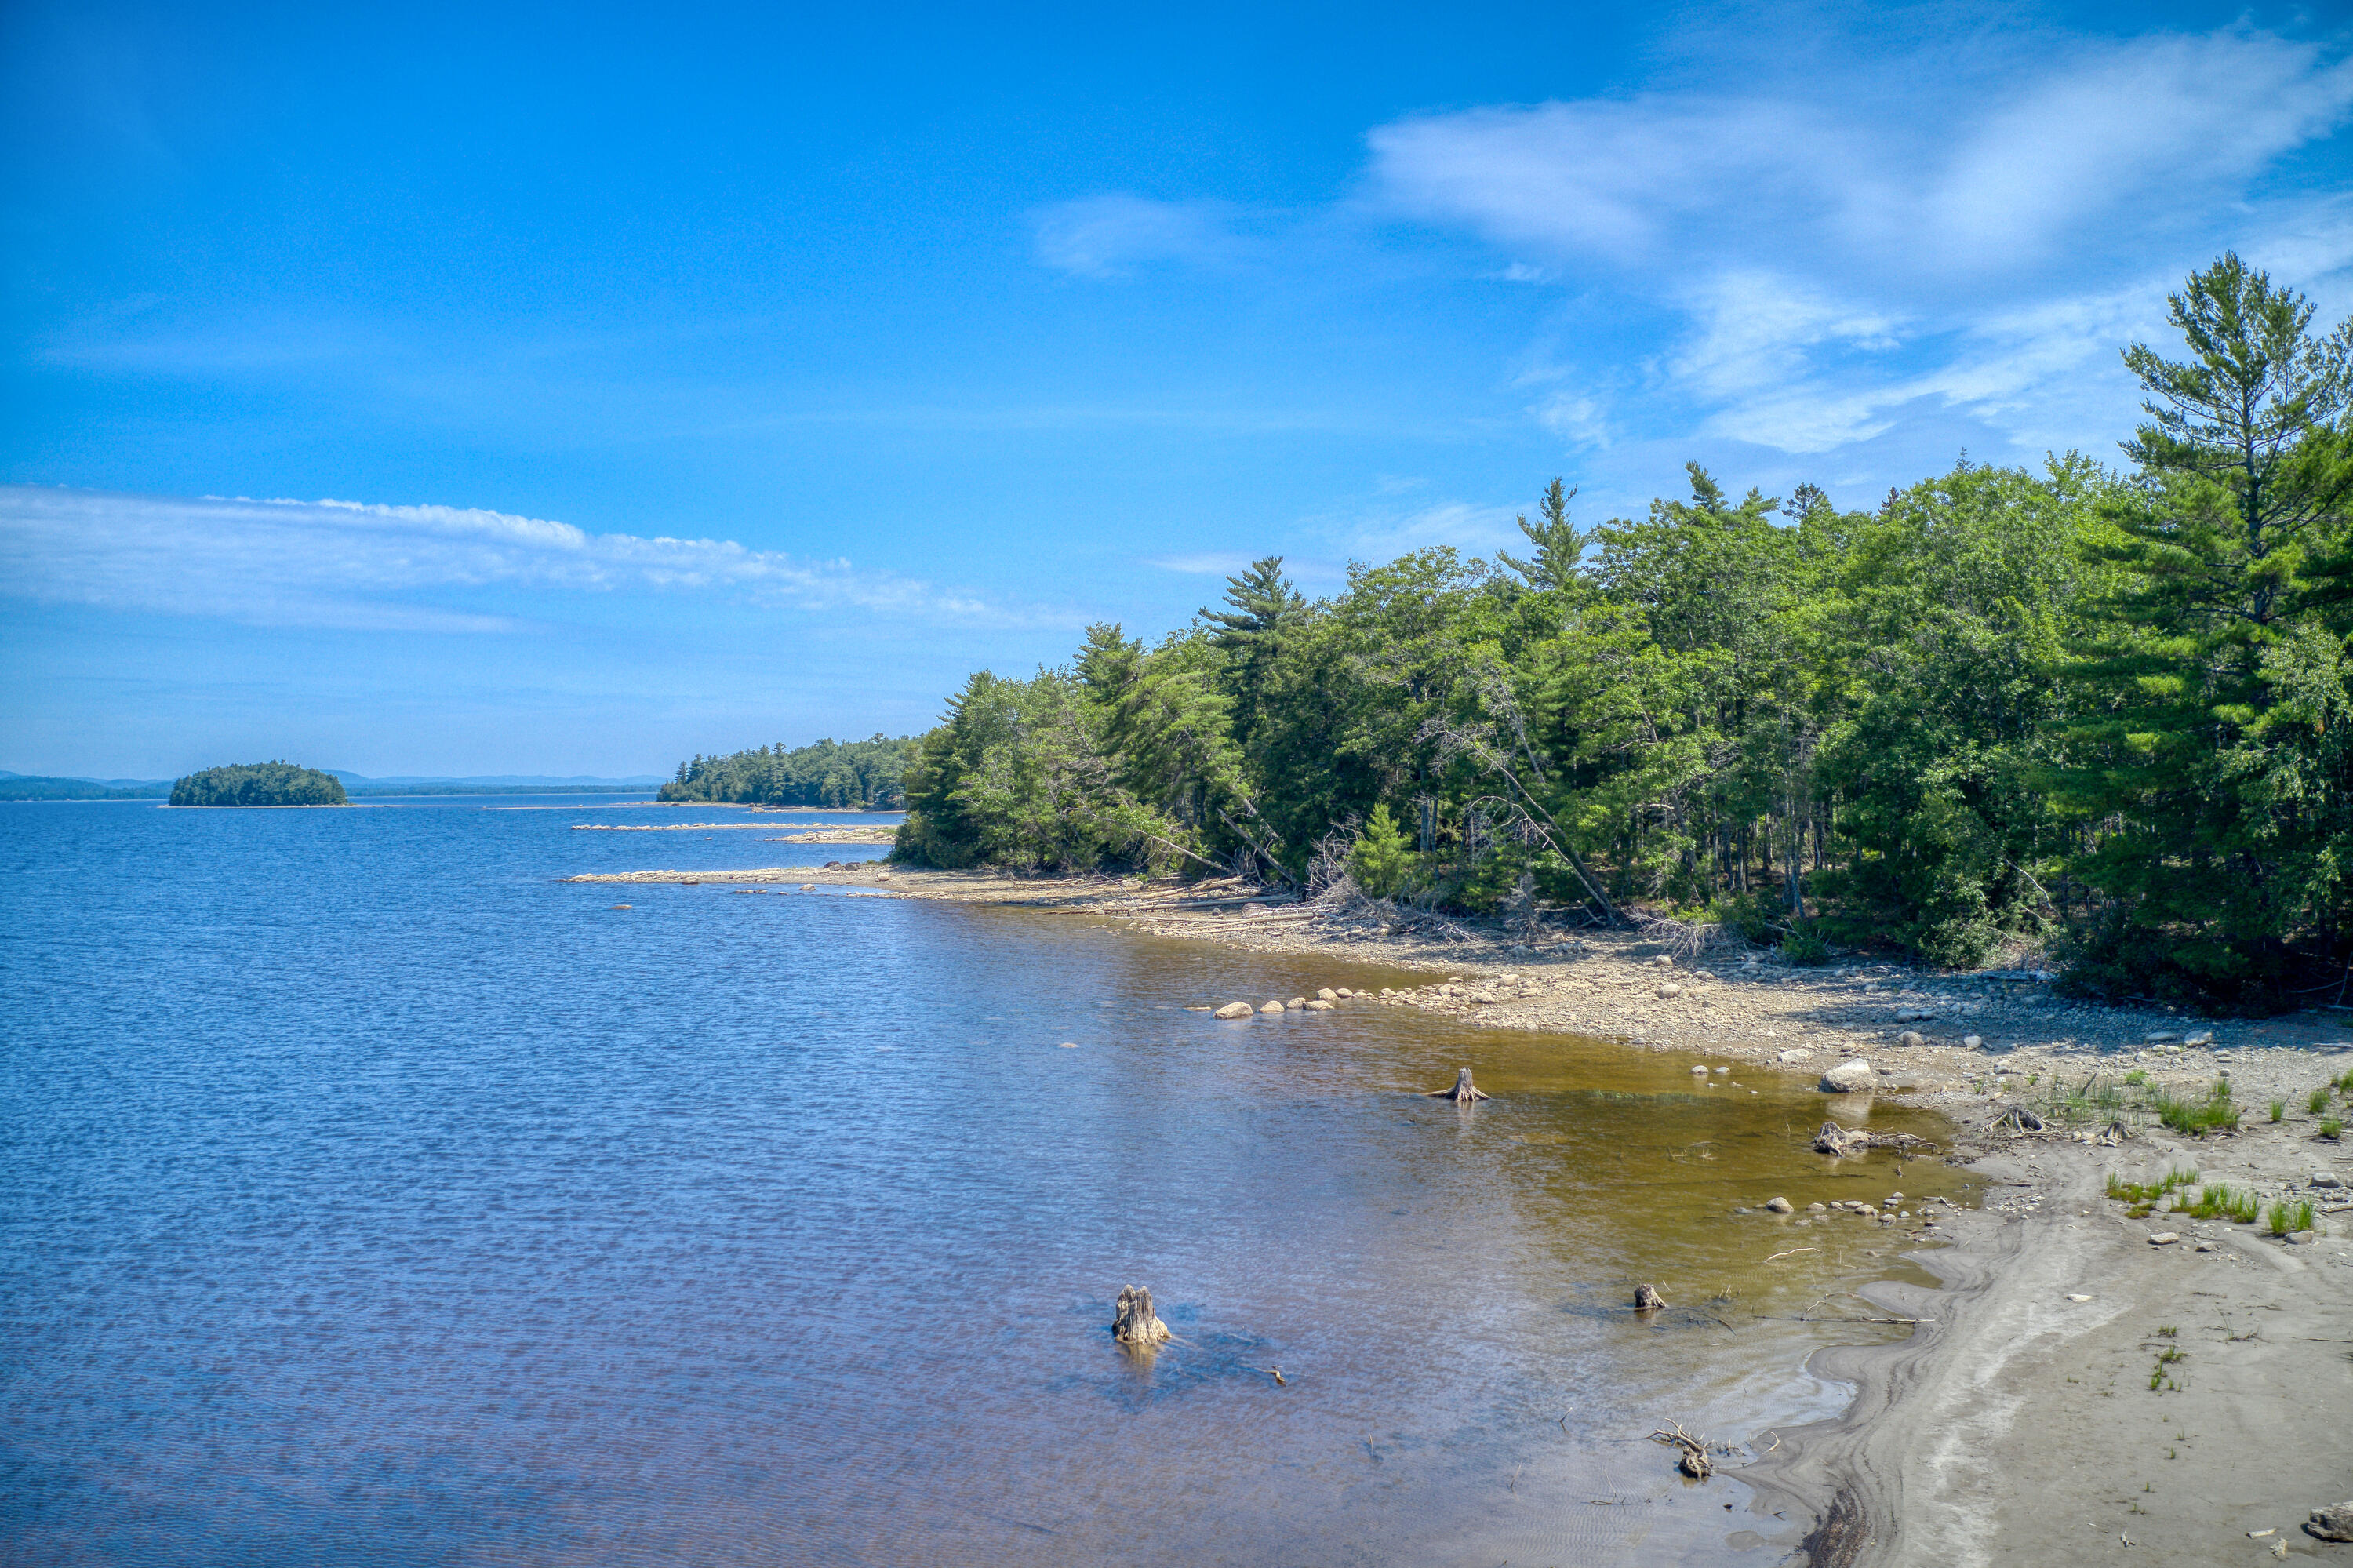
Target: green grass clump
{"points": [[2196, 1118], [2090, 1100], [2143, 1195], [2279, 1110], [2290, 1216], [2221, 1201], [2135, 1077], [2331, 1127], [2318, 1102]]}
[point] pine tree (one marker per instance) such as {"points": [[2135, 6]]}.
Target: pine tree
{"points": [[2203, 769]]}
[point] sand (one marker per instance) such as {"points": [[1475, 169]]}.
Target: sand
{"points": [[2016, 1425]]}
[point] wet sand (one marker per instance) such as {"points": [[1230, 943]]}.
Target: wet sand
{"points": [[2015, 1423]]}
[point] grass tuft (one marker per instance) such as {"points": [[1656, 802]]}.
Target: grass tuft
{"points": [[2196, 1118], [2290, 1216], [2318, 1102]]}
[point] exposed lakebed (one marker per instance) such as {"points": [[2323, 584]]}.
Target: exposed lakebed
{"points": [[374, 1195]]}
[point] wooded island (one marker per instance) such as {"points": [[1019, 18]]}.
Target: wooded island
{"points": [[259, 784]]}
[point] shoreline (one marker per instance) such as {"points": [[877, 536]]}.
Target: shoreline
{"points": [[2015, 1423]]}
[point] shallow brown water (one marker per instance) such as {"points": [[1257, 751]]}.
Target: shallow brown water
{"points": [[374, 1197]]}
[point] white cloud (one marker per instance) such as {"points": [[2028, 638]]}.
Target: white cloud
{"points": [[1466, 526], [1978, 231], [2115, 135], [349, 564], [1111, 236]]}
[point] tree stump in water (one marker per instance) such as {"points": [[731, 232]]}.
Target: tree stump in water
{"points": [[1461, 1094], [1647, 1299], [1132, 1321]]}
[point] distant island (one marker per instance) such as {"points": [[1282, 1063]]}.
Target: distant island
{"points": [[259, 784], [856, 773]]}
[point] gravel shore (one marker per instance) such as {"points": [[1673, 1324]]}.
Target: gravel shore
{"points": [[2017, 1423]]}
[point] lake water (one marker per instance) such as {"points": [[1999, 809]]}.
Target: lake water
{"points": [[374, 1196]]}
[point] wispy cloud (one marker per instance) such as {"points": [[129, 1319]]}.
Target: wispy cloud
{"points": [[374, 567], [1836, 251], [1112, 236], [1991, 184]]}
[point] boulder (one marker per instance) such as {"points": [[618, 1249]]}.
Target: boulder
{"points": [[1327, 994], [1647, 1299], [1909, 1037], [1699, 1071], [1295, 1003], [1235, 1010], [1483, 999], [1972, 1041], [1799, 1054], [2164, 1238], [1851, 1076], [1780, 1205], [2327, 1178], [2334, 1522], [1271, 1007], [1671, 990], [1319, 1005]]}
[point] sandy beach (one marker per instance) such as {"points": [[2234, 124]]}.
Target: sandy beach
{"points": [[2086, 1383]]}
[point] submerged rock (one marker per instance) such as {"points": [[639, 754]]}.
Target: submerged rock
{"points": [[1851, 1076]]}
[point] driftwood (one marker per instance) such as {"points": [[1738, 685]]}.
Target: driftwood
{"points": [[1647, 1299], [2017, 1119], [1132, 1320], [1694, 1462], [1461, 1094], [1849, 1141]]}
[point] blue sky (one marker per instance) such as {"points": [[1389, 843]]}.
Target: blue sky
{"points": [[606, 385]]}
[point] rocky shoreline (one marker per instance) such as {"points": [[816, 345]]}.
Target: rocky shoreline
{"points": [[2092, 1376]]}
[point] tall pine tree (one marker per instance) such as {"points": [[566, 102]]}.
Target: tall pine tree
{"points": [[2212, 791]]}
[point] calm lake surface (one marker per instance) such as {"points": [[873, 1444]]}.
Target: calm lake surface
{"points": [[373, 1196]]}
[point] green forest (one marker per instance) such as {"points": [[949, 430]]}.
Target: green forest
{"points": [[2101, 707], [259, 784], [829, 773]]}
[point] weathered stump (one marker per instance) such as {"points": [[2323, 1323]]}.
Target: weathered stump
{"points": [[1132, 1320], [1852, 1140], [1647, 1299], [1461, 1094]]}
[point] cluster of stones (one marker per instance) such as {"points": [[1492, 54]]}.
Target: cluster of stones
{"points": [[1322, 1001]]}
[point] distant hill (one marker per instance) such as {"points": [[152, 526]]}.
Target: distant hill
{"points": [[43, 787], [259, 784]]}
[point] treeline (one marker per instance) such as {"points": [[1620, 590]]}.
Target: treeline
{"points": [[259, 784], [2104, 708], [829, 773]]}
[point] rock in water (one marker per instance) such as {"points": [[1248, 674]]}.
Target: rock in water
{"points": [[1235, 1010], [1779, 1205], [1647, 1299], [2332, 1523], [1132, 1321], [1461, 1093], [1271, 1007], [1851, 1076]]}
